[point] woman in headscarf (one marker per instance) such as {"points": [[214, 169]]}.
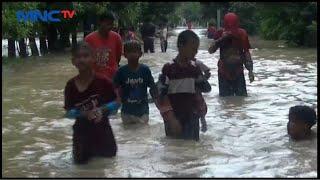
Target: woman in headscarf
{"points": [[234, 53]]}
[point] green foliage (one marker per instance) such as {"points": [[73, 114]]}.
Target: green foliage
{"points": [[11, 28], [290, 21], [286, 21], [209, 10], [247, 13], [159, 12], [191, 11]]}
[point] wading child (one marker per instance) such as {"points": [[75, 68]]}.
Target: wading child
{"points": [[182, 77], [301, 119], [205, 70], [89, 99], [132, 81]]}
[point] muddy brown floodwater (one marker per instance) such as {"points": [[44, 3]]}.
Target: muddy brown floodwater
{"points": [[246, 137]]}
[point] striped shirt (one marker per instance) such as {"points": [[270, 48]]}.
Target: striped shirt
{"points": [[181, 87]]}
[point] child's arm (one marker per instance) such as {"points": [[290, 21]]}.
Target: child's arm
{"points": [[205, 69], [151, 84], [163, 85], [71, 111], [110, 108], [207, 74], [201, 82], [114, 102]]}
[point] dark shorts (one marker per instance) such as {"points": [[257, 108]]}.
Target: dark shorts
{"points": [[148, 44], [92, 140], [235, 87], [190, 127]]}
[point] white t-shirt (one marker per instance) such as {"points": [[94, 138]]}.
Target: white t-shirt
{"points": [[164, 33]]}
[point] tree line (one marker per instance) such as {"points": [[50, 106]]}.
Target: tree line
{"points": [[293, 22]]}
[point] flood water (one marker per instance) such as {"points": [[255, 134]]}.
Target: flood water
{"points": [[246, 137]]}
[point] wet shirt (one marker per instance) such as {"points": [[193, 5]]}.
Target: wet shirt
{"points": [[107, 51], [232, 51], [100, 91], [133, 87], [148, 30], [182, 90]]}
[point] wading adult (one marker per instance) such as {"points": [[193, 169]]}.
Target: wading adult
{"points": [[148, 31], [106, 45], [234, 53]]}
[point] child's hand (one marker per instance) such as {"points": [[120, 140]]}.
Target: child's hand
{"points": [[212, 48], [95, 115], [251, 76], [207, 75]]}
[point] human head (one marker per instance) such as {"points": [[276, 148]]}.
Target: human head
{"points": [[106, 22], [301, 119], [230, 21], [211, 24], [132, 51], [82, 57], [131, 28], [188, 44]]}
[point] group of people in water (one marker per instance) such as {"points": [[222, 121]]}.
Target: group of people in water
{"points": [[102, 87]]}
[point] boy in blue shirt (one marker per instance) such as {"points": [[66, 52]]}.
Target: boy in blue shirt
{"points": [[131, 82]]}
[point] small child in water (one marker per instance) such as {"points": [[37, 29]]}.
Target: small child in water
{"points": [[132, 81], [301, 119], [89, 99], [182, 77]]}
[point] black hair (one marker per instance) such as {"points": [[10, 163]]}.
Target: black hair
{"points": [[211, 24], [81, 45], [107, 16], [185, 36], [132, 45], [131, 28], [303, 113]]}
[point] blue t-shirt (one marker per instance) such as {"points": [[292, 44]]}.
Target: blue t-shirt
{"points": [[133, 86]]}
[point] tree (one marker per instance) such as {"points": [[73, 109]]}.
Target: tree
{"points": [[287, 21], [14, 30], [247, 15]]}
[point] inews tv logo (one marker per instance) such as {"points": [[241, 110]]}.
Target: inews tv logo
{"points": [[44, 16]]}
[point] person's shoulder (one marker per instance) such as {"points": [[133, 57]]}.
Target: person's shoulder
{"points": [[242, 31], [144, 66], [196, 65], [198, 62], [168, 64], [102, 80], [123, 68], [70, 83], [91, 36], [115, 35]]}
